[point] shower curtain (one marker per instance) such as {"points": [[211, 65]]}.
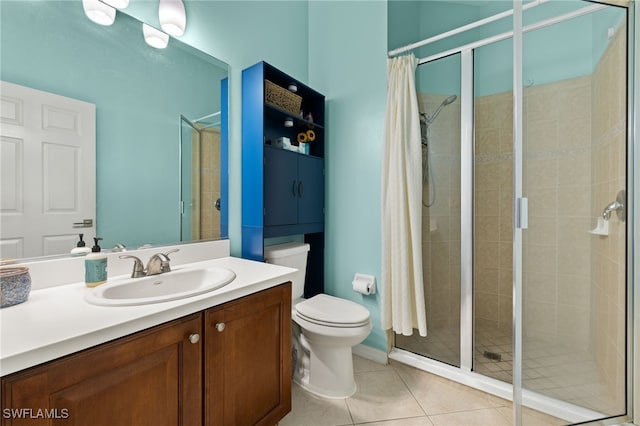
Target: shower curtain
{"points": [[402, 295]]}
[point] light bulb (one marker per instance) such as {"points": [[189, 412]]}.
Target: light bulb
{"points": [[98, 12], [154, 37], [172, 15]]}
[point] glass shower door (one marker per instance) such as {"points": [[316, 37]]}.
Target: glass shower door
{"points": [[574, 169], [493, 211], [200, 178], [438, 86], [573, 271], [189, 167]]}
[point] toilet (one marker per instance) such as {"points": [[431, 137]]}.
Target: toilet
{"points": [[324, 330]]}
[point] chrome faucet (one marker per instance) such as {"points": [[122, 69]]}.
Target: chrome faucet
{"points": [[612, 206], [617, 206], [159, 263]]}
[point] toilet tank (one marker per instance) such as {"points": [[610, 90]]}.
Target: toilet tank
{"points": [[292, 255]]}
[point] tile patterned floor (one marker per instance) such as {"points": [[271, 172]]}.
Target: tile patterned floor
{"points": [[553, 370], [400, 395]]}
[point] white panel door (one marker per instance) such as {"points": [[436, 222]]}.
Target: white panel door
{"points": [[48, 163]]}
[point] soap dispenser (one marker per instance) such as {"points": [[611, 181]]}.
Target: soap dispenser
{"points": [[81, 248], [95, 266], [96, 245]]}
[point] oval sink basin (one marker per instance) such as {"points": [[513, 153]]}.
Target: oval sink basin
{"points": [[177, 284]]}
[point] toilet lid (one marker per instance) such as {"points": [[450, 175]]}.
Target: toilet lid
{"points": [[333, 311]]}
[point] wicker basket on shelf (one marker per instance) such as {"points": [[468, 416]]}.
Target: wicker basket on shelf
{"points": [[282, 98]]}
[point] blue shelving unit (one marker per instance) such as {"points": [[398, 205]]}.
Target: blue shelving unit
{"points": [[282, 190]]}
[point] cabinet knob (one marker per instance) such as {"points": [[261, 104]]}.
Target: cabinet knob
{"points": [[194, 338], [220, 326]]}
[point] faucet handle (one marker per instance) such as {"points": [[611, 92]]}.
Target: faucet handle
{"points": [[159, 263], [138, 268], [171, 251], [166, 267]]}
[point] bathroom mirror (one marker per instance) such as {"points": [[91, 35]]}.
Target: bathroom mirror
{"points": [[140, 95]]}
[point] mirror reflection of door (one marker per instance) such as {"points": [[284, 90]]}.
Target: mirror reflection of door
{"points": [[47, 166], [200, 178]]}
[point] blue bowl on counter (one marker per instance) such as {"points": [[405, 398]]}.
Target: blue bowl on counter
{"points": [[15, 285]]}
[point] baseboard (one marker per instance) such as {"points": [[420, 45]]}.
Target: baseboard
{"points": [[371, 354]]}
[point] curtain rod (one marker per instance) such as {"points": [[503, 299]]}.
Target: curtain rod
{"points": [[462, 29], [509, 34]]}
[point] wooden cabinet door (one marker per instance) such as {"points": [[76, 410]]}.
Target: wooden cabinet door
{"points": [[311, 190], [280, 187], [248, 360], [153, 378]]}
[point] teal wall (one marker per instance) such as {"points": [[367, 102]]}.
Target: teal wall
{"points": [[563, 51], [242, 33], [137, 106], [348, 64], [339, 48], [239, 33], [315, 42]]}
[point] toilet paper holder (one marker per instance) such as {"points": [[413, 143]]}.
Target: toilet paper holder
{"points": [[363, 283]]}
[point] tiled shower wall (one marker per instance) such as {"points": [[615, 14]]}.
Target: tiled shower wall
{"points": [[608, 165], [441, 221], [210, 189], [493, 192], [556, 179], [205, 166]]}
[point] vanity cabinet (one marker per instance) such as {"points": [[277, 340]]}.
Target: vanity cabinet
{"points": [[247, 368], [282, 190], [153, 377], [228, 365]]}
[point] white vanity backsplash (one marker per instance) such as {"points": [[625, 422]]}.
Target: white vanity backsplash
{"points": [[47, 273]]}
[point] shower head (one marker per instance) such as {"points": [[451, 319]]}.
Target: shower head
{"points": [[430, 119], [451, 99]]}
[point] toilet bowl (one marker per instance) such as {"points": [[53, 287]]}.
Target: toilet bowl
{"points": [[324, 331]]}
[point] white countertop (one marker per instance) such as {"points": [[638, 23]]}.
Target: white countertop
{"points": [[58, 321]]}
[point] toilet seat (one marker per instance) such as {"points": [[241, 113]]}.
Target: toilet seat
{"points": [[330, 311]]}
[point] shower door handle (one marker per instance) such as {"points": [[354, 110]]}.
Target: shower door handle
{"points": [[522, 213]]}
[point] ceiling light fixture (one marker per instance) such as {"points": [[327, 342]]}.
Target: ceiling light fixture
{"points": [[154, 37], [118, 4], [173, 18], [99, 12]]}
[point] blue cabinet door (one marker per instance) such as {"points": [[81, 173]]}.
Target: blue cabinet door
{"points": [[280, 187], [310, 189]]}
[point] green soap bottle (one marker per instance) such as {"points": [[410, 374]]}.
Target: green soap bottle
{"points": [[95, 266]]}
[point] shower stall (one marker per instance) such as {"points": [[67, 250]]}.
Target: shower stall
{"points": [[527, 259], [200, 178]]}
